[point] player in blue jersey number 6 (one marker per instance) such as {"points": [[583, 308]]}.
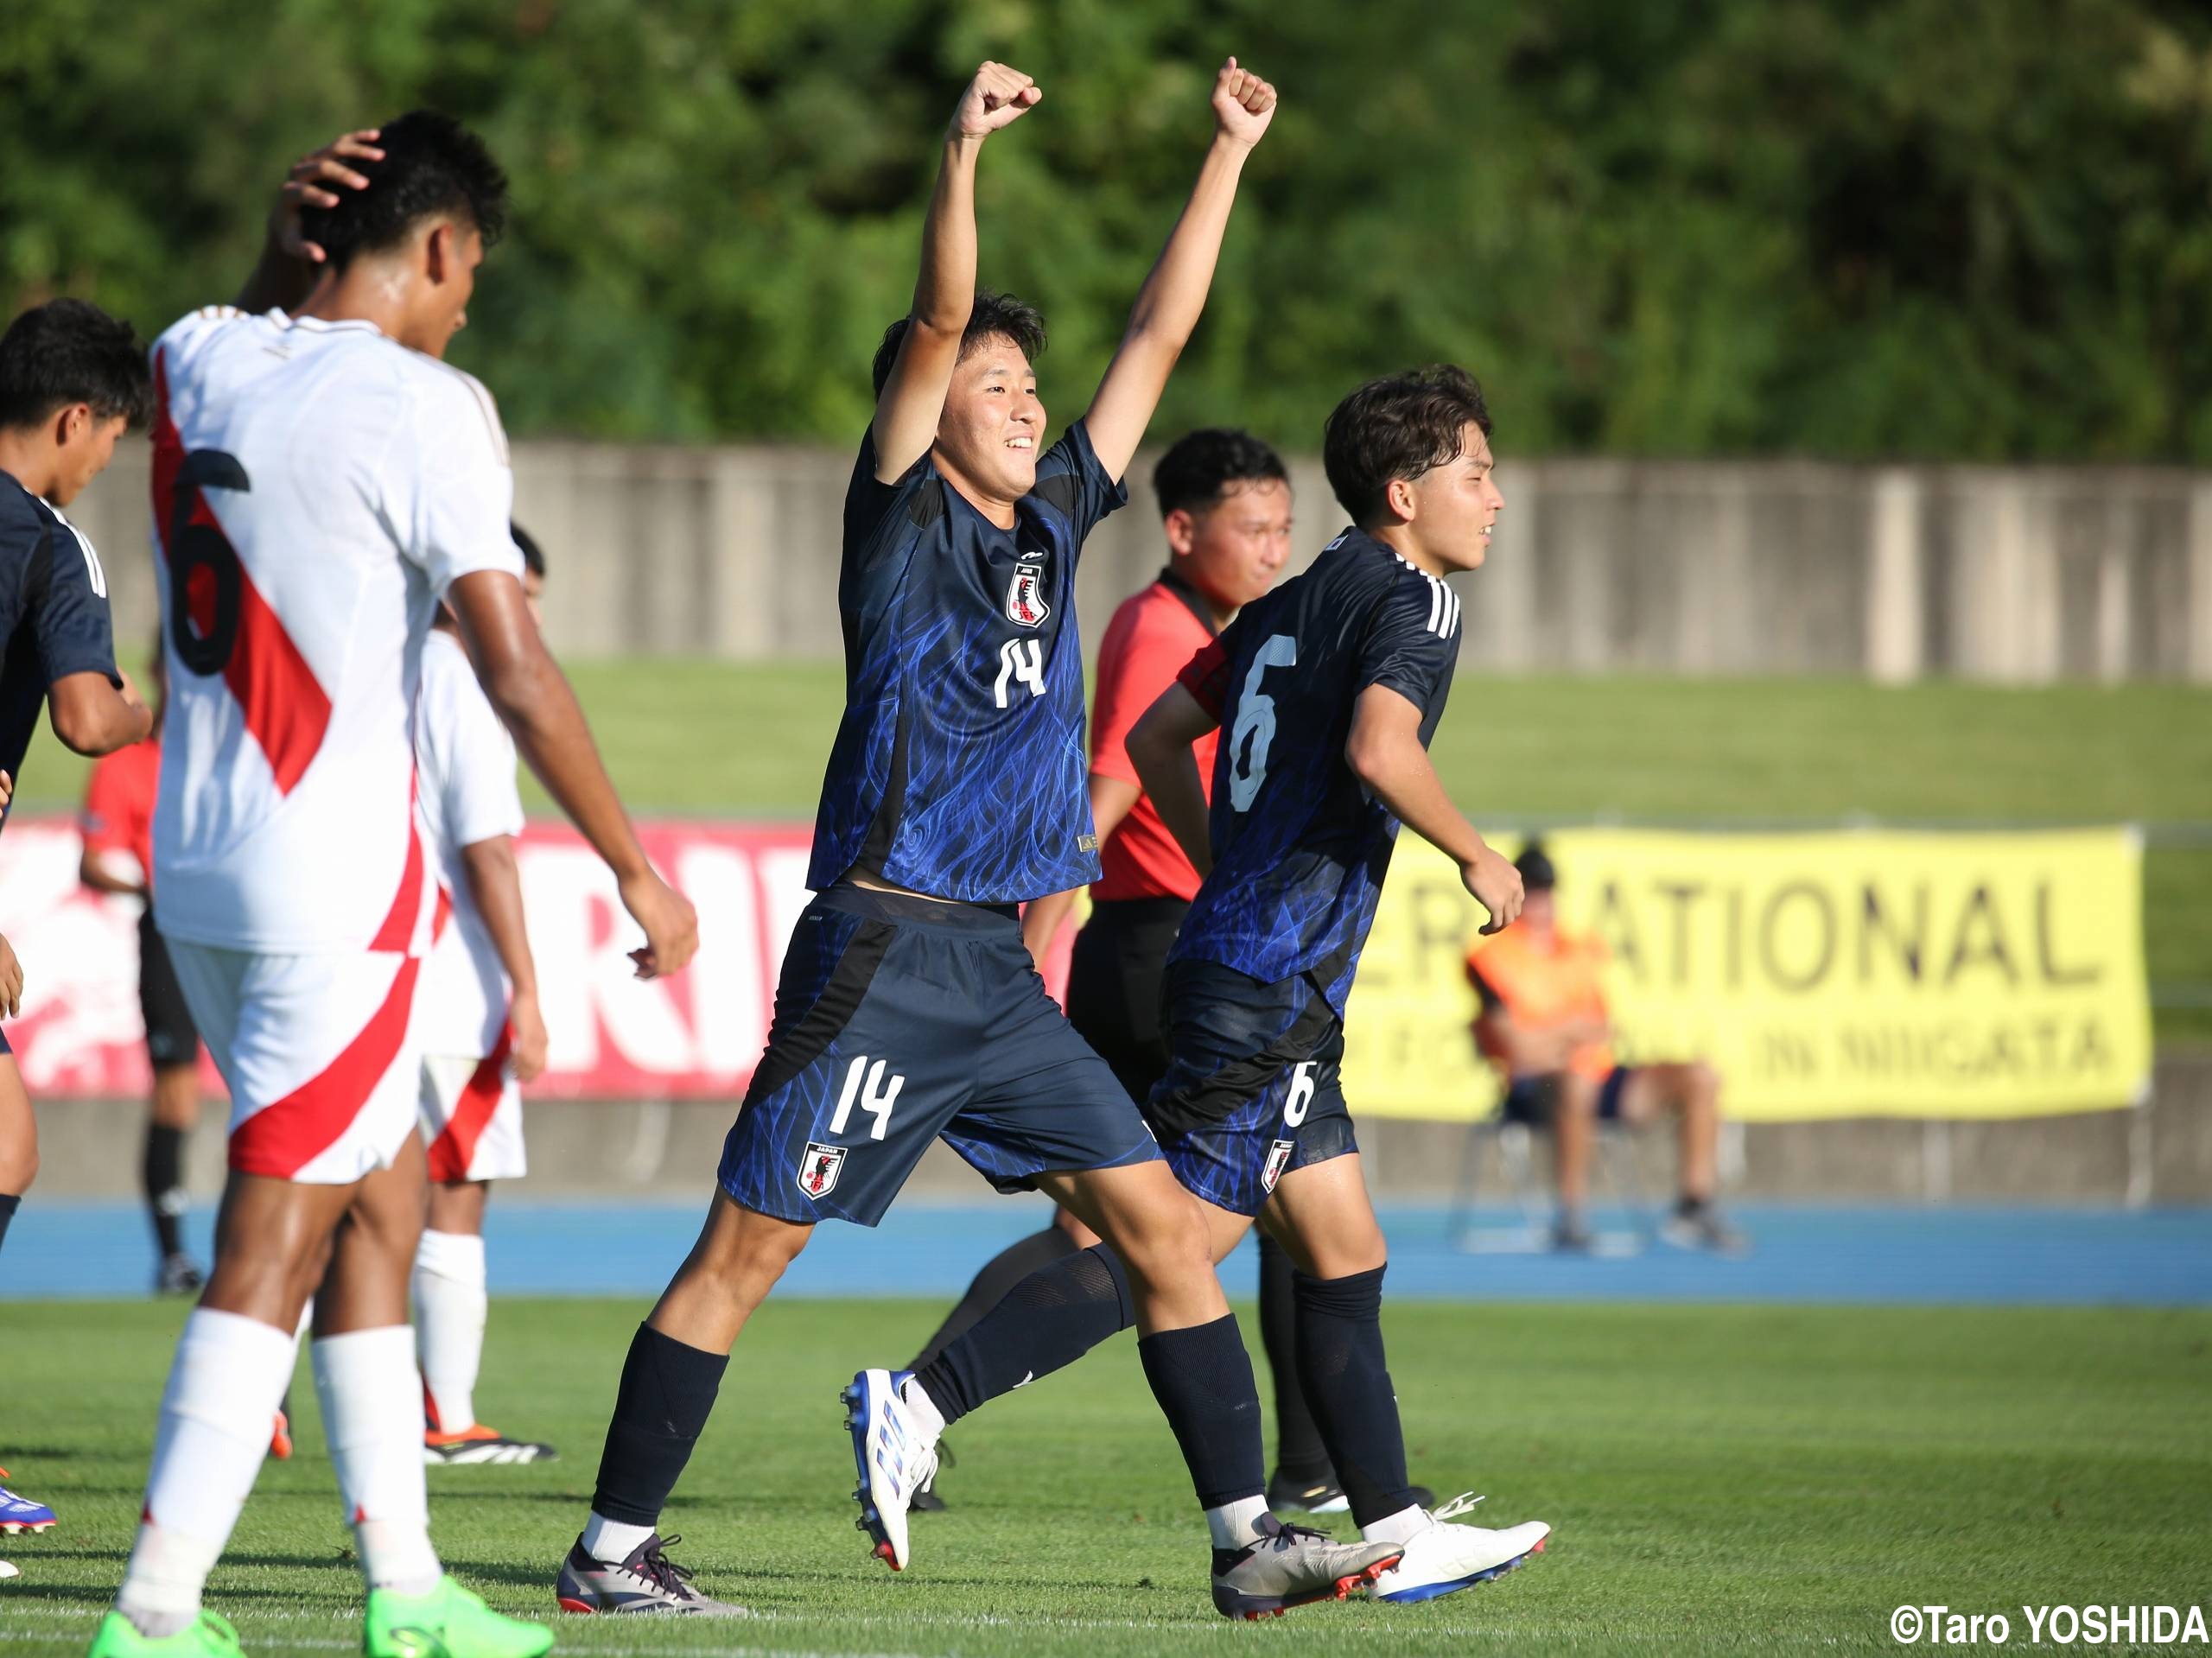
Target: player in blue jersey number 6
{"points": [[1326, 692], [908, 1008]]}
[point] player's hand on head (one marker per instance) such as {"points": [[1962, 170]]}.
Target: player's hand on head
{"points": [[11, 981], [528, 1043], [1242, 103], [670, 924], [1495, 884], [997, 96], [314, 182], [7, 790]]}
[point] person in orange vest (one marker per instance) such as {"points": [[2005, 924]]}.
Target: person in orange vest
{"points": [[1543, 1021]]}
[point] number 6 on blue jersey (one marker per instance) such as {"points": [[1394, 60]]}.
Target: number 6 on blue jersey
{"points": [[1255, 731]]}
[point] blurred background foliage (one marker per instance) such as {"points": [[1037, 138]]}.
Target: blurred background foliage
{"points": [[1962, 229]]}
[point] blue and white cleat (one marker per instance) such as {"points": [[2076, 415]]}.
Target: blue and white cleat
{"points": [[1442, 1560], [20, 1513], [894, 1458]]}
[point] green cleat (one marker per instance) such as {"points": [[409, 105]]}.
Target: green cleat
{"points": [[206, 1637], [448, 1623]]}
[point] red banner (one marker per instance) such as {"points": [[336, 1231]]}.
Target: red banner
{"points": [[612, 1037]]}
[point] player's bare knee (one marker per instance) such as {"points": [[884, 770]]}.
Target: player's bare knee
{"points": [[1166, 1240]]}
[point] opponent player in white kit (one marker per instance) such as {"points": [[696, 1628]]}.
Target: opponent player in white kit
{"points": [[482, 1034], [321, 482]]}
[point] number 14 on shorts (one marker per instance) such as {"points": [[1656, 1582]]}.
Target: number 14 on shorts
{"points": [[864, 1086]]}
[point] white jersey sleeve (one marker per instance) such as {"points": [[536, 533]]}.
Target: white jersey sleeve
{"points": [[464, 485]]}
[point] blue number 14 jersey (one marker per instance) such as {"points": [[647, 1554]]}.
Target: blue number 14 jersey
{"points": [[958, 770], [1300, 846]]}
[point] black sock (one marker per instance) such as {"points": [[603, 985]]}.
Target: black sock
{"points": [[1203, 1379], [7, 1213], [1051, 1318], [1300, 1455], [164, 1172], [1340, 1361], [667, 1390], [989, 1288]]}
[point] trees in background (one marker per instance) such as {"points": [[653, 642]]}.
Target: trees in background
{"points": [[1974, 229]]}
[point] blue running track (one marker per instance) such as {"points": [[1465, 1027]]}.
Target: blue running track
{"points": [[1801, 1253]]}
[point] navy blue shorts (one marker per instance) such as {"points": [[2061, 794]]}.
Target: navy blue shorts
{"points": [[899, 1019], [1253, 1088], [1534, 1099]]}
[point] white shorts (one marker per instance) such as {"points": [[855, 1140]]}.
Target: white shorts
{"points": [[318, 1051], [472, 1117]]}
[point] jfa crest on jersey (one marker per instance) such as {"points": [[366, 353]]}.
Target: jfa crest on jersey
{"points": [[959, 768], [1299, 848], [819, 1168], [1024, 599]]}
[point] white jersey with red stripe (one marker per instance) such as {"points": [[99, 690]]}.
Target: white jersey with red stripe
{"points": [[467, 795], [317, 486]]}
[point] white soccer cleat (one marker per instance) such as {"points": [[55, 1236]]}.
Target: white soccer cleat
{"points": [[893, 1457], [1442, 1559]]}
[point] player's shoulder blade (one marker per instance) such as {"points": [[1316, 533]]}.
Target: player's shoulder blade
{"points": [[456, 406]]}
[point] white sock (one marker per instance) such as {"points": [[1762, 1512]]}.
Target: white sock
{"points": [[1397, 1527], [365, 1380], [612, 1541], [223, 1385], [1236, 1525], [922, 1408], [449, 1306]]}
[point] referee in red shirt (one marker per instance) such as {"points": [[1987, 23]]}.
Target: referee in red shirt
{"points": [[1225, 505]]}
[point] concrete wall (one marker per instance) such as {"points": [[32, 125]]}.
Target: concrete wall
{"points": [[2159, 1153], [2017, 576]]}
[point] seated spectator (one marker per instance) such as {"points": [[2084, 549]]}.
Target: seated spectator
{"points": [[1543, 1021]]}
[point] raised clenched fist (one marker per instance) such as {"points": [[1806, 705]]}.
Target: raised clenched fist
{"points": [[1242, 103], [997, 96]]}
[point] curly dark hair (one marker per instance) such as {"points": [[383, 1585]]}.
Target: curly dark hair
{"points": [[995, 315], [1398, 427], [432, 164], [1199, 465], [68, 350]]}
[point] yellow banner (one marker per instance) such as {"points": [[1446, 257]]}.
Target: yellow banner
{"points": [[1873, 973]]}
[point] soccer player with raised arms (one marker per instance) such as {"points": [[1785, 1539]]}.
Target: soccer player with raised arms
{"points": [[1327, 691], [908, 1008], [322, 481]]}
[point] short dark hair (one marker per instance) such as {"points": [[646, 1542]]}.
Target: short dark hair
{"points": [[1535, 866], [67, 351], [533, 555], [1398, 427], [993, 315], [432, 164], [1200, 465]]}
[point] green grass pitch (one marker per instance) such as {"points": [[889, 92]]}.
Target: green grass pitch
{"points": [[1721, 1479]]}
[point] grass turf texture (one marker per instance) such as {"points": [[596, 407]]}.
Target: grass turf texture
{"points": [[1720, 1478], [749, 739]]}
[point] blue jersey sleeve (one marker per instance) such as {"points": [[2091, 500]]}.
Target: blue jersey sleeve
{"points": [[874, 511], [75, 633], [1073, 479], [1413, 644]]}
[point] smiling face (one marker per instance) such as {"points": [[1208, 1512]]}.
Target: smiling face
{"points": [[993, 427], [1233, 550], [1451, 510]]}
